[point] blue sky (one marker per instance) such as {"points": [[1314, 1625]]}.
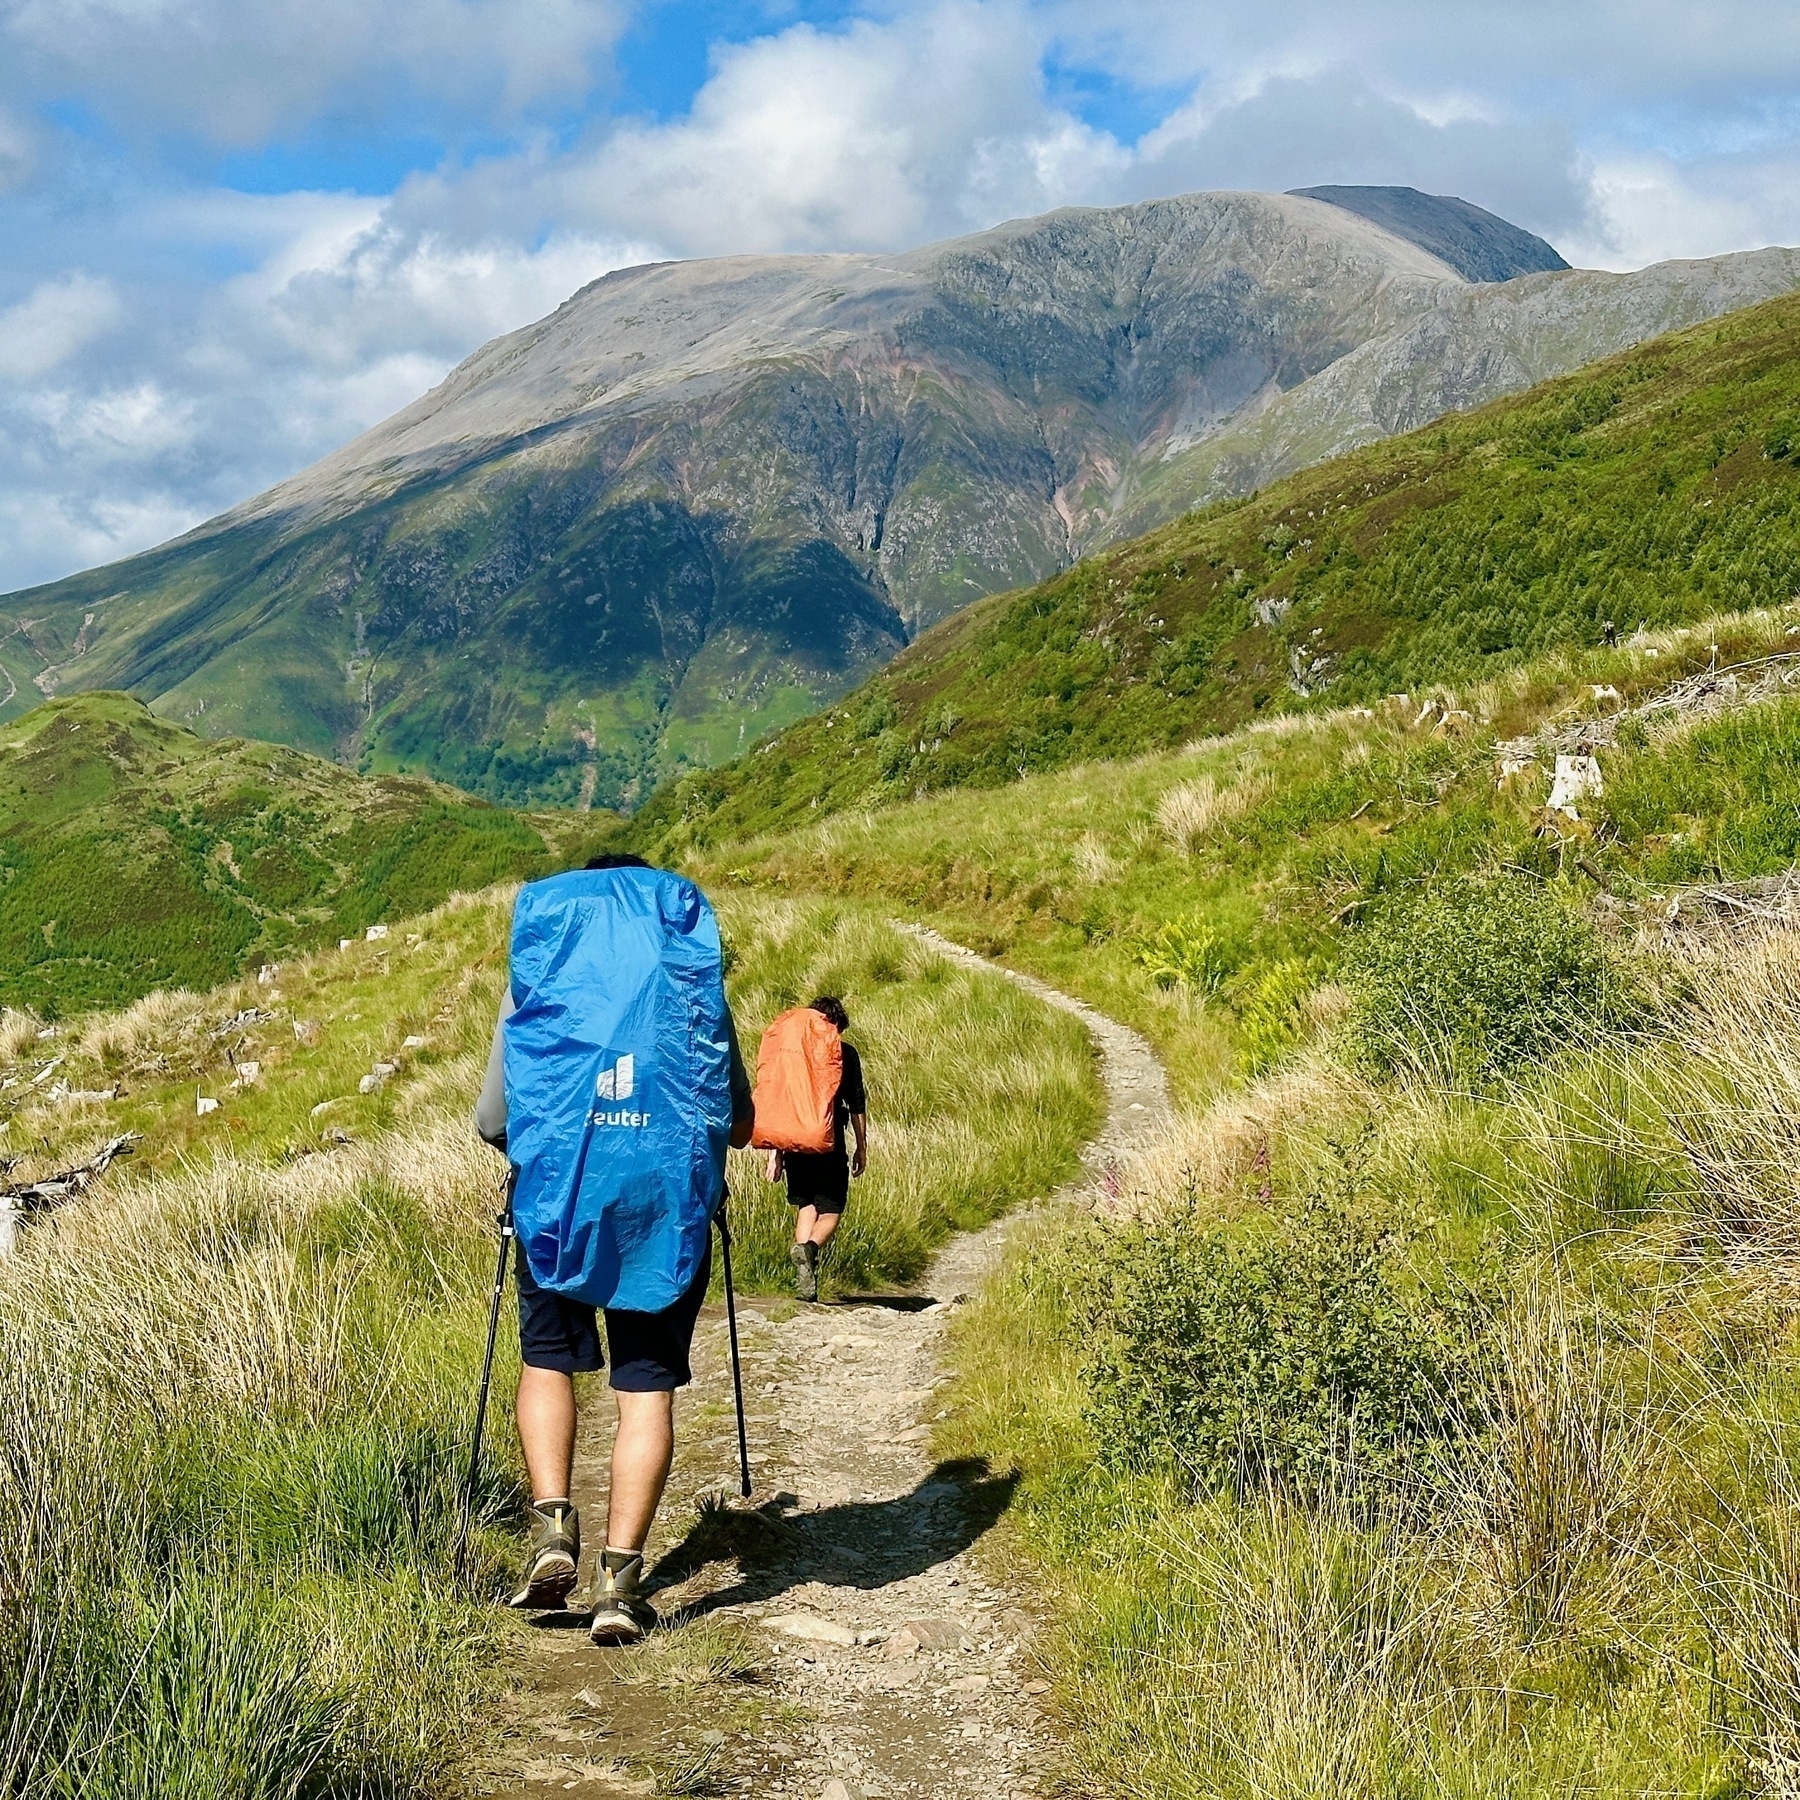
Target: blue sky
{"points": [[235, 235]]}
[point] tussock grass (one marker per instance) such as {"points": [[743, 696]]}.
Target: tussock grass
{"points": [[697, 1652], [1094, 860], [1190, 809]]}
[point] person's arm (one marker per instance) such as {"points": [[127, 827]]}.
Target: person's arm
{"points": [[490, 1104], [856, 1101], [743, 1107]]}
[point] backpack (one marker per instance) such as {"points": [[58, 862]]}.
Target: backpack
{"points": [[799, 1068], [618, 1083]]}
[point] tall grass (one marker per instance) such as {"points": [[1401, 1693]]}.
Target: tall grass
{"points": [[978, 1095], [1600, 1592], [235, 1378]]}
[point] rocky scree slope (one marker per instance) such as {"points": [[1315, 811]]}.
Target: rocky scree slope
{"points": [[1652, 489], [701, 498]]}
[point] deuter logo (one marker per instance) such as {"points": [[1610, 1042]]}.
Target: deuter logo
{"points": [[616, 1084]]}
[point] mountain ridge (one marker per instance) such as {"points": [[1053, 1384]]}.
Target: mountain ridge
{"points": [[1477, 244], [699, 500]]}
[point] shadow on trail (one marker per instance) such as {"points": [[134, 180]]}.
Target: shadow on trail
{"points": [[841, 1303], [858, 1544]]}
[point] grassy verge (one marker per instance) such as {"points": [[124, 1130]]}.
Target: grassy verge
{"points": [[1580, 1578], [235, 1388], [235, 1376]]}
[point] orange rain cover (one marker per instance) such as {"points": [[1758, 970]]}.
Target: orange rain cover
{"points": [[799, 1065]]}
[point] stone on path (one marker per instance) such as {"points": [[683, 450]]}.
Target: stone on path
{"points": [[812, 1629], [927, 1634]]}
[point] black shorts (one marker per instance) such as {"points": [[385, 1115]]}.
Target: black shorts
{"points": [[817, 1179], [649, 1351]]}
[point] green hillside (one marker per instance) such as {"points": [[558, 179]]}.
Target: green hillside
{"points": [[1657, 487], [135, 855], [1437, 1374]]}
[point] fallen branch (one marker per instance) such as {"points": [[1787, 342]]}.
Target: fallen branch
{"points": [[1764, 900], [57, 1190]]}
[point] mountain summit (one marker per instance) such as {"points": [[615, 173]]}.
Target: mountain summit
{"points": [[1476, 244], [700, 498]]}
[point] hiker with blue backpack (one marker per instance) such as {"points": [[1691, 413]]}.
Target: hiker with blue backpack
{"points": [[614, 1085]]}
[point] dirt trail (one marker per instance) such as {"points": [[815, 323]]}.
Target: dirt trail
{"points": [[854, 1648]]}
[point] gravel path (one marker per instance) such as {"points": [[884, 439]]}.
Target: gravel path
{"points": [[888, 1666]]}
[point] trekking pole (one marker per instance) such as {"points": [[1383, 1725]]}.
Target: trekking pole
{"points": [[737, 1367], [466, 1520]]}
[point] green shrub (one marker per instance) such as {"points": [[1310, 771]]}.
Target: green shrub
{"points": [[877, 714], [1466, 978], [1188, 952], [1268, 1009], [1300, 1351]]}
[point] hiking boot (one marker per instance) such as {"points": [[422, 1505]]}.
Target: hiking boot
{"points": [[805, 1258], [621, 1614], [551, 1560]]}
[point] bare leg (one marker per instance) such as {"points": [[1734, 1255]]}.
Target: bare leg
{"points": [[822, 1226], [546, 1419], [805, 1218], [643, 1448]]}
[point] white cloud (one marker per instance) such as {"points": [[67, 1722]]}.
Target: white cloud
{"points": [[1650, 208], [876, 136], [1563, 56], [214, 395], [240, 71], [120, 424], [173, 347], [389, 291], [60, 531], [54, 321], [1334, 127]]}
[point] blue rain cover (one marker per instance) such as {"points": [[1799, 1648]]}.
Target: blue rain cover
{"points": [[618, 1083]]}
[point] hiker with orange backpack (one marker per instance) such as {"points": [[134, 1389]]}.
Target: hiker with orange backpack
{"points": [[809, 1091]]}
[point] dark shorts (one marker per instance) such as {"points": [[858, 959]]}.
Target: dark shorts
{"points": [[649, 1351], [819, 1181]]}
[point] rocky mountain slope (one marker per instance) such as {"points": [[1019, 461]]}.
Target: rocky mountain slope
{"points": [[1654, 489], [701, 498], [1476, 244]]}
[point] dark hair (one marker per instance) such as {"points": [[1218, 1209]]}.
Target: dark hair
{"points": [[829, 1006], [615, 859]]}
